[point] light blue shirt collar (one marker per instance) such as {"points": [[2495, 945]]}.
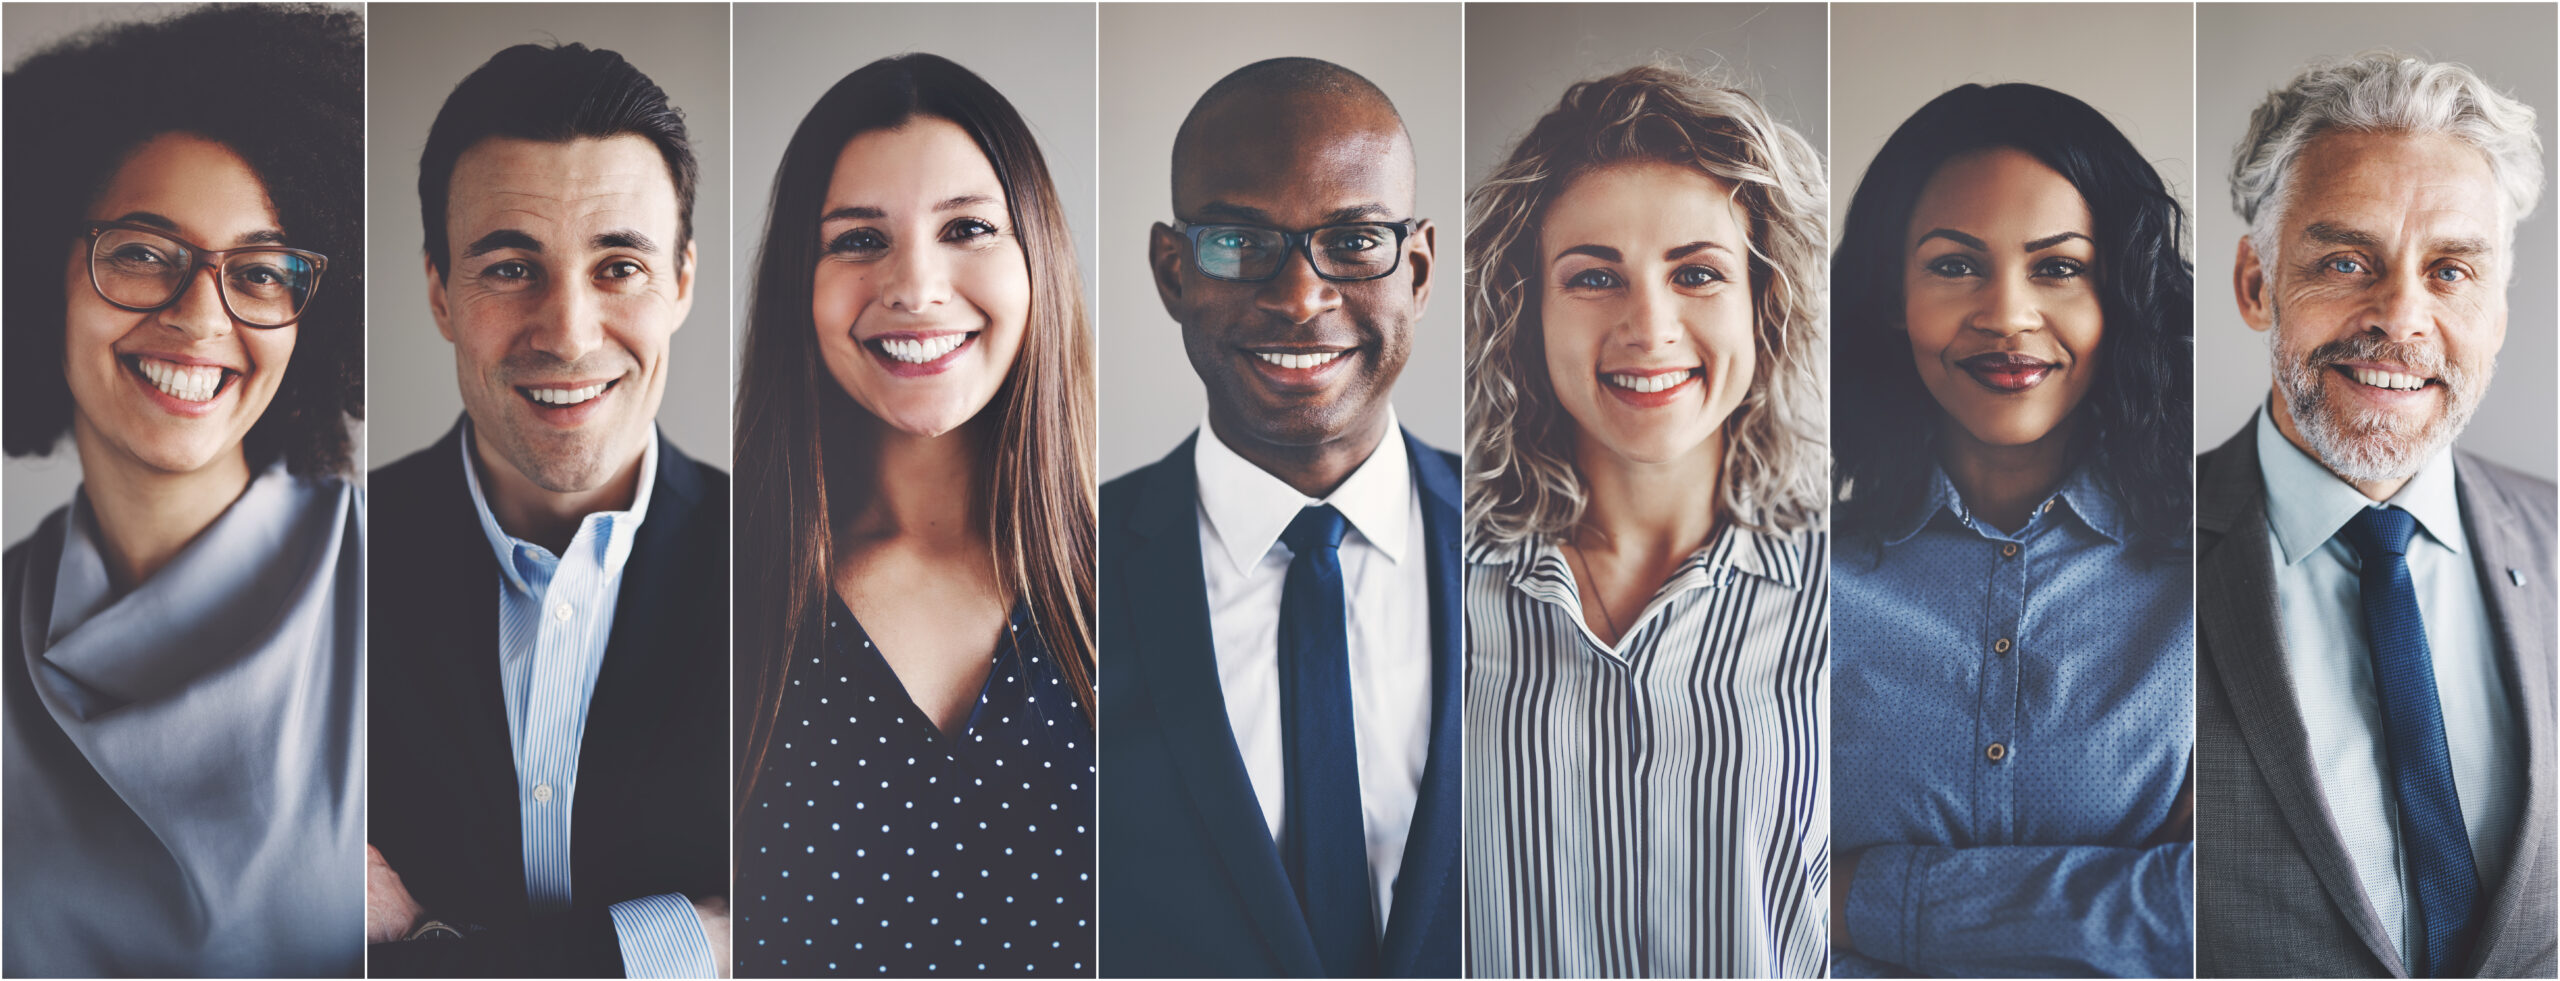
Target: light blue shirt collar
{"points": [[609, 531], [2307, 504], [2080, 495]]}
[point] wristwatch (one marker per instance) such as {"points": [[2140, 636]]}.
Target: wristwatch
{"points": [[434, 930]]}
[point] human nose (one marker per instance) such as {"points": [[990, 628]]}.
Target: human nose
{"points": [[570, 323], [1296, 292], [1653, 318], [2401, 307], [197, 310], [917, 280], [2009, 307]]}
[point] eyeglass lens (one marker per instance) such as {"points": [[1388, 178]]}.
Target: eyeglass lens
{"points": [[139, 269], [1248, 252]]}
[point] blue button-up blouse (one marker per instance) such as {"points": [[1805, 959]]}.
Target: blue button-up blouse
{"points": [[2014, 716]]}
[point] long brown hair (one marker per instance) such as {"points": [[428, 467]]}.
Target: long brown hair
{"points": [[1038, 493]]}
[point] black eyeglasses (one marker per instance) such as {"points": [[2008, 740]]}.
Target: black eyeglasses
{"points": [[1347, 253], [142, 269]]}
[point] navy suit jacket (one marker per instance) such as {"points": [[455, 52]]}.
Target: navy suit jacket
{"points": [[653, 770], [1192, 885]]}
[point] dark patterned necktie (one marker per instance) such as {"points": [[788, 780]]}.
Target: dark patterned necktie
{"points": [[2443, 884]]}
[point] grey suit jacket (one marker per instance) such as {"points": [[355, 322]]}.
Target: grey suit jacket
{"points": [[2276, 894]]}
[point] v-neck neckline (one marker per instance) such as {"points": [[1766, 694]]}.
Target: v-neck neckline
{"points": [[986, 685]]}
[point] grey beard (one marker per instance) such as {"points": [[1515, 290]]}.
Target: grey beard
{"points": [[2372, 446]]}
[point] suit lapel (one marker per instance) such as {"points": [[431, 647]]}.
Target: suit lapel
{"points": [[2236, 612], [2525, 655], [1175, 660], [631, 686], [1431, 847]]}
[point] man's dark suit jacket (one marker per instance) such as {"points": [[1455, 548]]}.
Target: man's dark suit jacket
{"points": [[653, 770], [1192, 885], [2277, 894]]}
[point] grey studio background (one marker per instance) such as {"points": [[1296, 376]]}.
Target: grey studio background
{"points": [[419, 53], [1156, 60], [2246, 51], [1521, 57], [1039, 55], [2134, 61], [39, 485]]}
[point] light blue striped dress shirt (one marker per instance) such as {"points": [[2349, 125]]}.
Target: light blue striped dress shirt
{"points": [[2321, 608], [555, 615]]}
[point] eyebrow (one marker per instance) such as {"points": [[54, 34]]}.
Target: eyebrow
{"points": [[504, 238], [1600, 252], [963, 201], [624, 238], [1677, 253], [1952, 235], [263, 236], [854, 212], [2329, 234], [2049, 241]]}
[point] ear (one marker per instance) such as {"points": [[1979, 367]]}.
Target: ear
{"points": [[1419, 248], [684, 284], [2249, 283], [435, 298], [1165, 251]]}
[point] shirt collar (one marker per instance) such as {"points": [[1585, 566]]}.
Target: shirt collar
{"points": [[2307, 504], [613, 527], [1250, 508], [2080, 495]]}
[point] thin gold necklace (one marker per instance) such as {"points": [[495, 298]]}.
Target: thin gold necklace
{"points": [[1598, 595]]}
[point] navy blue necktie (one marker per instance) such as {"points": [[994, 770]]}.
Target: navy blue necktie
{"points": [[1321, 840], [2443, 884]]}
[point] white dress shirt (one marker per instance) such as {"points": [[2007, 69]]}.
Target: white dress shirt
{"points": [[555, 618], [1386, 584], [2326, 653]]}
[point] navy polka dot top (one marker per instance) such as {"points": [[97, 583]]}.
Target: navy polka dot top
{"points": [[876, 846]]}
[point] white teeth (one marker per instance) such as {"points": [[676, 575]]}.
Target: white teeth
{"points": [[920, 351], [1299, 360], [2388, 379], [184, 382], [566, 396], [1648, 383]]}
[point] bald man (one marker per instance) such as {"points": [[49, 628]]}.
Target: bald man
{"points": [[1279, 594]]}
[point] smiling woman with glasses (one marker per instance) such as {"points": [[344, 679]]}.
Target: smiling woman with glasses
{"points": [[184, 638]]}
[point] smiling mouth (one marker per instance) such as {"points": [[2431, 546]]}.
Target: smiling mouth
{"points": [[2006, 371], [184, 382], [561, 398], [1647, 383], [919, 350], [2389, 381], [1301, 360]]}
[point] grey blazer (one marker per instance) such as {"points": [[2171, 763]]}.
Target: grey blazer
{"points": [[2276, 894]]}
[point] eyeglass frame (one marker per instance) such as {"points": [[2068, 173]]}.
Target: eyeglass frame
{"points": [[204, 257], [1301, 243]]}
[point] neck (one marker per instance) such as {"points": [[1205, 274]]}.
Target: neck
{"points": [[1313, 470], [1648, 511], [2003, 484], [2373, 490], [145, 515], [546, 517], [919, 487]]}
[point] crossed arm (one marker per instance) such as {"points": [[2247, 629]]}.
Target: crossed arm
{"points": [[647, 935]]}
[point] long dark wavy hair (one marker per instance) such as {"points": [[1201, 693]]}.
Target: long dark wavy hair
{"points": [[2138, 430], [290, 102], [1038, 495]]}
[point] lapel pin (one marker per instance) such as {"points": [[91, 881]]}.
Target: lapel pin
{"points": [[2517, 575]]}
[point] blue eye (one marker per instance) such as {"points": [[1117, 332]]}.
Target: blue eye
{"points": [[2452, 274], [1592, 279], [2347, 267]]}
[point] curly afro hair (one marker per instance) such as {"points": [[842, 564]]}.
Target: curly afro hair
{"points": [[282, 86]]}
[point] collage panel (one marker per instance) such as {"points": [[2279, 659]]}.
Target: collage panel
{"points": [[185, 621], [1647, 584], [2375, 518], [916, 443], [2013, 712], [1279, 590], [548, 743]]}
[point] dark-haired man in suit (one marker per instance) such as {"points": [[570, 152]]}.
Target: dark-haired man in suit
{"points": [[1279, 595], [549, 751], [2375, 608]]}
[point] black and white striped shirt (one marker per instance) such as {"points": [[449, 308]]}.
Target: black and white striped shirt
{"points": [[1661, 809]]}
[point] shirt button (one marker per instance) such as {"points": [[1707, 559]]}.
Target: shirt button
{"points": [[562, 612], [542, 793], [2009, 551], [1996, 752], [2000, 646]]}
